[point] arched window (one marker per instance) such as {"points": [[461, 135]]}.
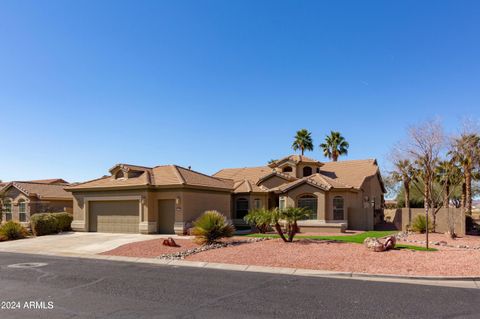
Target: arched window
{"points": [[307, 171], [287, 169], [309, 202], [7, 206], [338, 211], [241, 208], [22, 210]]}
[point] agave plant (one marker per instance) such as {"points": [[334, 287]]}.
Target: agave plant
{"points": [[211, 227]]}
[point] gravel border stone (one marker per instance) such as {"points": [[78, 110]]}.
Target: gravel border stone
{"points": [[180, 255]]}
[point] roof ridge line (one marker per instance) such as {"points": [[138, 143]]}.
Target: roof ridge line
{"points": [[178, 174]]}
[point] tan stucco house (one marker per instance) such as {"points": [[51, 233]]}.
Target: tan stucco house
{"points": [[340, 195], [166, 199], [22, 199], [163, 199]]}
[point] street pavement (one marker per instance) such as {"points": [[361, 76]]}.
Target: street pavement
{"points": [[60, 287]]}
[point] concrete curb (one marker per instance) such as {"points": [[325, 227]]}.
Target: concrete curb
{"points": [[264, 269]]}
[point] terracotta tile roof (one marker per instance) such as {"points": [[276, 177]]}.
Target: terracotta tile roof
{"points": [[246, 186], [274, 173], [165, 175], [296, 159], [253, 174], [50, 181], [353, 172], [40, 190]]}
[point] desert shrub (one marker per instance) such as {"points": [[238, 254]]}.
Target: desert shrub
{"points": [[211, 227], [260, 219], [44, 224], [64, 221], [12, 230], [419, 224]]}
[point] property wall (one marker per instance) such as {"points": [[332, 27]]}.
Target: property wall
{"points": [[403, 217]]}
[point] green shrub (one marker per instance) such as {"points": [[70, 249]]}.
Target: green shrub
{"points": [[419, 224], [64, 221], [211, 227], [260, 219], [44, 224], [12, 230]]}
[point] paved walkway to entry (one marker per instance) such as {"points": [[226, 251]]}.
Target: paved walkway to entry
{"points": [[74, 243]]}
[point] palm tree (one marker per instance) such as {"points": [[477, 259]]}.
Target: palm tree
{"points": [[447, 175], [335, 145], [466, 152], [404, 172], [303, 141]]}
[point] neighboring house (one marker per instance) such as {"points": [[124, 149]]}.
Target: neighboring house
{"points": [[339, 194], [22, 199], [166, 199], [163, 199]]}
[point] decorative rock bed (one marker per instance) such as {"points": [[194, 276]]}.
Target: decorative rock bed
{"points": [[403, 236], [185, 253]]}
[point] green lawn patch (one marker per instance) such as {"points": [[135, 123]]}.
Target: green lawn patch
{"points": [[357, 238]]}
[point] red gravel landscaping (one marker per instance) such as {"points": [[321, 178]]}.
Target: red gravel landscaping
{"points": [[150, 248], [323, 255], [348, 257]]}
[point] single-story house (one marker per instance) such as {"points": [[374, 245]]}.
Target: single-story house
{"points": [[22, 199], [340, 195], [166, 199], [163, 199]]}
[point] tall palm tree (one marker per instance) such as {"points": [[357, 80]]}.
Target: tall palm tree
{"points": [[335, 145], [448, 174], [303, 141], [404, 172], [466, 152]]}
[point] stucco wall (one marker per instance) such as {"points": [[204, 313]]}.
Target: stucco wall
{"points": [[196, 202], [34, 205], [401, 219], [305, 189]]}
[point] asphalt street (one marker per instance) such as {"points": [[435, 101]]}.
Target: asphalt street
{"points": [[82, 288]]}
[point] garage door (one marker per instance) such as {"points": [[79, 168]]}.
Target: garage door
{"points": [[114, 216]]}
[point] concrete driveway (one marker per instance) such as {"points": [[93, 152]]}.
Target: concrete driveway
{"points": [[74, 243]]}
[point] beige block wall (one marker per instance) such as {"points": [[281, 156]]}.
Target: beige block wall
{"points": [[402, 221]]}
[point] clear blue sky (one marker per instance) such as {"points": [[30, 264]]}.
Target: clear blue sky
{"points": [[215, 84]]}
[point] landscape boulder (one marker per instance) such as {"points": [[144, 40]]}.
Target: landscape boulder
{"points": [[376, 245]]}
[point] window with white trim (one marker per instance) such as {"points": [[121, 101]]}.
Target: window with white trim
{"points": [[282, 203], [257, 203], [7, 208], [22, 210]]}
